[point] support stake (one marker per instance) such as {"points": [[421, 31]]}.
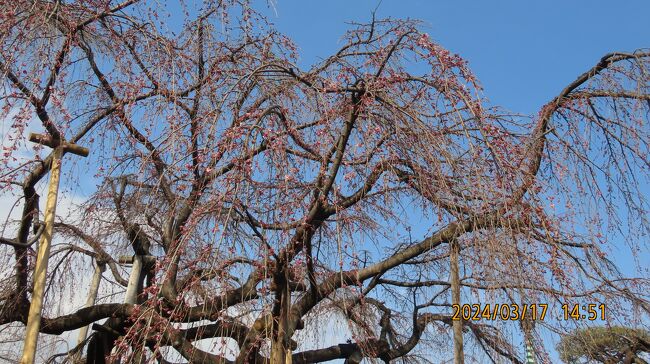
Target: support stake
{"points": [[90, 301], [40, 271], [459, 356], [134, 278]]}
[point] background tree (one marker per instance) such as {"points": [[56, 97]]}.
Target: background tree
{"points": [[605, 345], [268, 199]]}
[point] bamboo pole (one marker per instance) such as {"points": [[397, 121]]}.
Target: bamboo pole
{"points": [[40, 271], [459, 357]]}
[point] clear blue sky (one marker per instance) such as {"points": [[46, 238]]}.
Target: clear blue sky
{"points": [[524, 52]]}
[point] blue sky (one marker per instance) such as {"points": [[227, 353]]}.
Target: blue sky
{"points": [[523, 52]]}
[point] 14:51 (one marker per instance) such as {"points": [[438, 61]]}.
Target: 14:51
{"points": [[589, 312]]}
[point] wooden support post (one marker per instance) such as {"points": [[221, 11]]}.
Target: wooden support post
{"points": [[288, 356], [92, 296], [459, 356], [131, 295], [134, 278], [40, 271], [128, 259]]}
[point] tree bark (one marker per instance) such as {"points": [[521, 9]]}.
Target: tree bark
{"points": [[280, 348]]}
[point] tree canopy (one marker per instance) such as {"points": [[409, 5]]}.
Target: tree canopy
{"points": [[268, 202], [605, 345]]}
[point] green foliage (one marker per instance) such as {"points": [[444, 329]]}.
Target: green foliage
{"points": [[606, 345]]}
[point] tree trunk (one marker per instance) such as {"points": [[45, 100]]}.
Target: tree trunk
{"points": [[280, 348]]}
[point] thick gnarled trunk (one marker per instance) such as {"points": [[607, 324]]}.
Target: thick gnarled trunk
{"points": [[281, 336]]}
